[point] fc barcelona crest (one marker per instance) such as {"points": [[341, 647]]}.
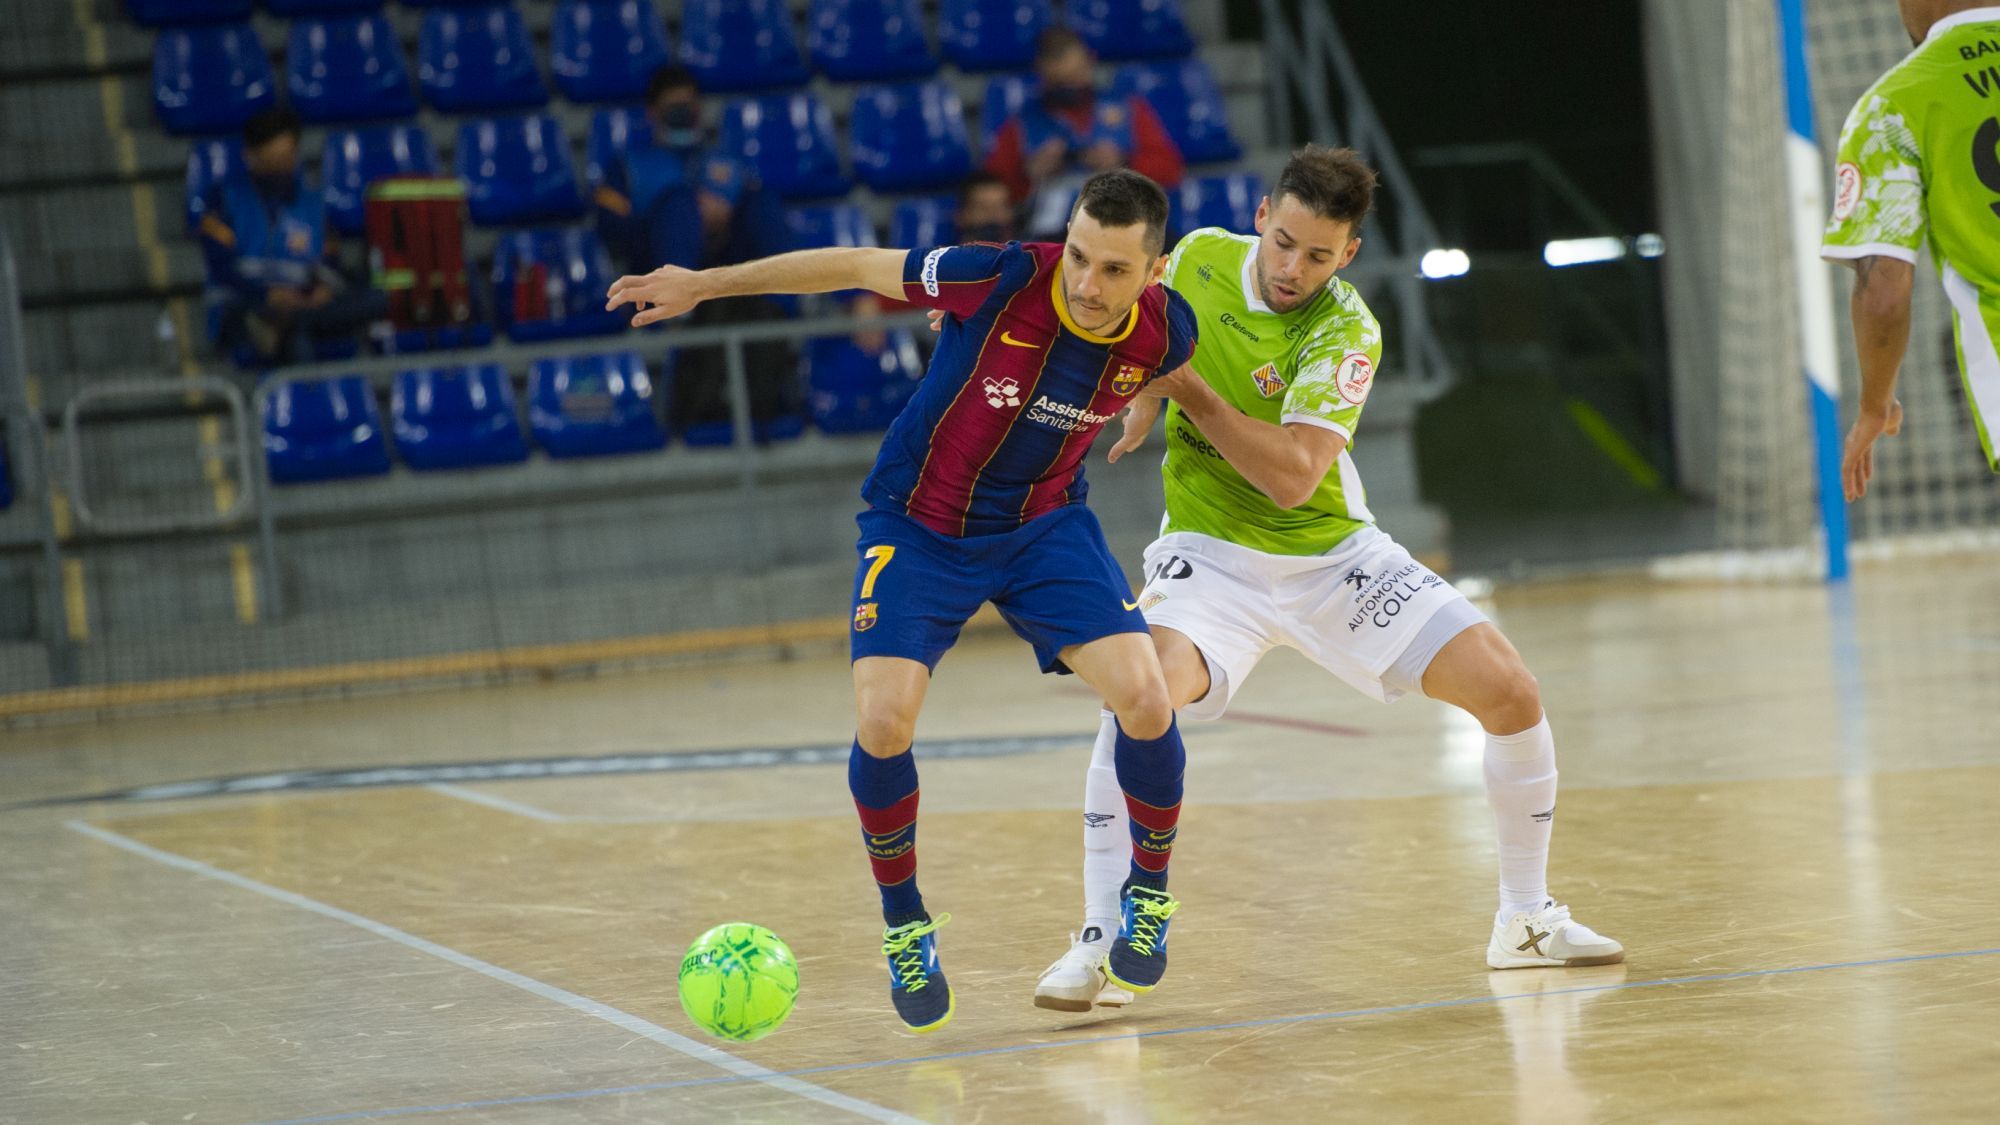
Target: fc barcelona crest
{"points": [[1128, 379], [864, 617], [1268, 381]]}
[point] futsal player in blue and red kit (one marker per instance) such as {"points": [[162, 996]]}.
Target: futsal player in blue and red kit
{"points": [[977, 495]]}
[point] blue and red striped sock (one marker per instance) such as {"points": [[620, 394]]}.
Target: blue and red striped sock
{"points": [[1149, 771], [885, 794]]}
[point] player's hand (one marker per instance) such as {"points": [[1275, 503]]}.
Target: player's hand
{"points": [[665, 293], [937, 319], [1174, 384], [1139, 419], [1857, 463]]}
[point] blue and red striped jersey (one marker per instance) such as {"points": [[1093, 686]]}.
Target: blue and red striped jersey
{"points": [[996, 433]]}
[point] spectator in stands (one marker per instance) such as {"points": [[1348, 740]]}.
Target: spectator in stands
{"points": [[275, 293], [1068, 128], [679, 201], [986, 210]]}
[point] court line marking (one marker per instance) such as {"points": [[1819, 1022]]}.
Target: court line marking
{"points": [[500, 803], [1020, 1048], [740, 1070]]}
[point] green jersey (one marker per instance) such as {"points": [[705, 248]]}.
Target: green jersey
{"points": [[1312, 366], [1920, 162]]}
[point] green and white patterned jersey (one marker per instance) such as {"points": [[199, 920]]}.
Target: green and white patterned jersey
{"points": [[1313, 365], [1920, 161]]}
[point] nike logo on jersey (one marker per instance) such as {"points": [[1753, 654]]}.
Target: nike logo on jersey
{"points": [[1008, 338], [885, 841], [1130, 605]]}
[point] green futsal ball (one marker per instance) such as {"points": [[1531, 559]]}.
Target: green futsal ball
{"points": [[738, 982]]}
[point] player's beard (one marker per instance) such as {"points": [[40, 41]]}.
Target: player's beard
{"points": [[1077, 313], [1270, 298]]}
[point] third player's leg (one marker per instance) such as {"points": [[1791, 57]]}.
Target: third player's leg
{"points": [[1481, 671]]}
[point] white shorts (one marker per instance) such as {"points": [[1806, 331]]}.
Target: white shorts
{"points": [[1367, 611]]}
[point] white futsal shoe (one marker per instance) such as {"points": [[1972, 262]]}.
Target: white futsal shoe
{"points": [[1076, 982], [1549, 938]]}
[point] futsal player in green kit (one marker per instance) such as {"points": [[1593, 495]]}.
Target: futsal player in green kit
{"points": [[1920, 159], [1268, 540]]}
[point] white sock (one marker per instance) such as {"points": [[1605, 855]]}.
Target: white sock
{"points": [[1107, 843], [1521, 789]]}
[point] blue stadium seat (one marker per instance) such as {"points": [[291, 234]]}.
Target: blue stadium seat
{"points": [[476, 58], [606, 50], [909, 137], [549, 284], [850, 391], [1229, 202], [992, 34], [210, 79], [1005, 95], [612, 131], [1189, 103], [324, 430], [592, 405], [517, 170], [347, 68], [356, 158], [788, 138], [869, 40], [210, 162], [290, 8], [832, 224], [456, 417], [737, 45], [181, 13], [1132, 29], [926, 221]]}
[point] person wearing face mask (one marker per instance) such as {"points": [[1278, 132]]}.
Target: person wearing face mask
{"points": [[1068, 128], [677, 199], [986, 210], [274, 294]]}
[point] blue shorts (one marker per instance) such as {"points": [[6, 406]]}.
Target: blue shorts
{"points": [[1053, 579]]}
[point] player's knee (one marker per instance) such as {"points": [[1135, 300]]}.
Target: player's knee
{"points": [[885, 735], [1514, 700], [1147, 712]]}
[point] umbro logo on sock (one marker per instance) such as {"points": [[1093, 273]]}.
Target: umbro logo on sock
{"points": [[1098, 819], [1543, 817]]}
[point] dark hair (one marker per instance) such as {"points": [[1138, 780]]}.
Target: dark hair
{"points": [[1056, 41], [670, 78], [1333, 183], [1122, 198], [974, 182], [269, 125]]}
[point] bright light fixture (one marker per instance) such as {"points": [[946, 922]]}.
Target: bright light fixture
{"points": [[1439, 264], [1578, 251]]}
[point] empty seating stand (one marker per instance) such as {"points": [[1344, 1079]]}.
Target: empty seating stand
{"points": [[320, 7], [517, 170], [550, 285], [788, 138], [1229, 202], [984, 35], [594, 405], [1132, 29], [347, 68], [909, 137], [456, 418], [607, 50], [850, 390], [613, 130], [323, 430], [869, 40], [1190, 106], [210, 161], [211, 78], [355, 158], [930, 221], [181, 13], [478, 57], [739, 45]]}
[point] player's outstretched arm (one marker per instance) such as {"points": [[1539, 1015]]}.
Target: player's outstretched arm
{"points": [[1881, 312], [670, 290], [1286, 463]]}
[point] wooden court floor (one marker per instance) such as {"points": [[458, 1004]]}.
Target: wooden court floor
{"points": [[1785, 801]]}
